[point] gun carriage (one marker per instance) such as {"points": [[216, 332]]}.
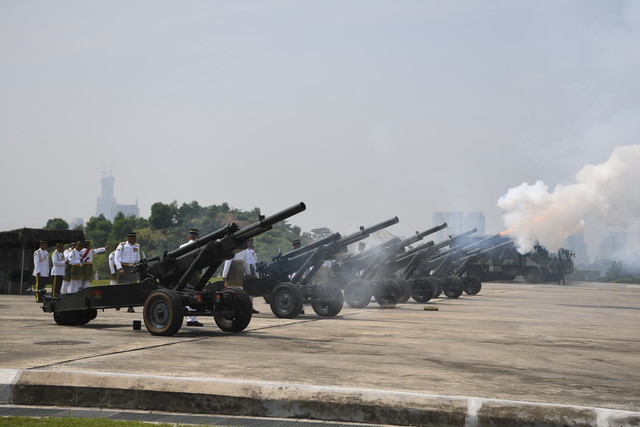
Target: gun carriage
{"points": [[169, 283], [361, 275], [447, 270], [287, 282]]}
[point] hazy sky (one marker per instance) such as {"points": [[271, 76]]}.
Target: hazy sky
{"points": [[364, 110]]}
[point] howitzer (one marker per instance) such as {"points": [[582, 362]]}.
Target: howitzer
{"points": [[284, 265], [359, 272], [287, 291], [177, 268], [327, 252], [163, 292]]}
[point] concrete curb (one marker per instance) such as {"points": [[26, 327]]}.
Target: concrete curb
{"points": [[286, 400]]}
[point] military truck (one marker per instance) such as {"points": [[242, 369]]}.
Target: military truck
{"points": [[537, 266]]}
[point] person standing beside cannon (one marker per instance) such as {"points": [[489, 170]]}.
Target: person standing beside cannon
{"points": [[127, 254], [66, 279], [193, 236], [112, 268], [87, 262], [77, 273], [57, 271], [41, 267]]}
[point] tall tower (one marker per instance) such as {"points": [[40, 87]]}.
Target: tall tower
{"points": [[106, 201]]}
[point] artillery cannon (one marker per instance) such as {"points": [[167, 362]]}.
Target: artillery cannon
{"points": [[446, 271], [287, 285], [360, 274], [164, 289]]}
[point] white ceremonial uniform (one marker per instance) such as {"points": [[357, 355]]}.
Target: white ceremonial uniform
{"points": [[250, 259], [41, 262], [87, 258], [57, 259], [190, 318], [75, 259], [112, 267], [126, 254], [66, 282]]}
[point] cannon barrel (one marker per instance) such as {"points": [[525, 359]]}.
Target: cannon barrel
{"points": [[366, 232], [306, 248], [431, 251], [389, 244], [419, 236], [216, 235], [266, 223]]}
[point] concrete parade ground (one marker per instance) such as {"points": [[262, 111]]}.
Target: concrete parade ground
{"points": [[515, 354]]}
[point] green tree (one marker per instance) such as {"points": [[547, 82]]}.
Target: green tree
{"points": [[615, 271], [57, 224], [97, 230], [188, 211], [320, 233], [163, 215], [121, 226]]}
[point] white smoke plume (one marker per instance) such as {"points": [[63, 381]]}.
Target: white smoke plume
{"points": [[609, 191]]}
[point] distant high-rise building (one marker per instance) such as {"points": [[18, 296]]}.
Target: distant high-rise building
{"points": [[613, 246], [107, 204], [475, 220], [455, 224], [577, 244]]}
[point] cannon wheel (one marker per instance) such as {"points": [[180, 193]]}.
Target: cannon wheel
{"points": [[326, 300], [421, 290], [358, 293], [387, 293], [532, 275], [437, 286], [70, 318], [163, 312], [286, 300], [405, 286], [472, 285], [453, 286], [242, 316]]}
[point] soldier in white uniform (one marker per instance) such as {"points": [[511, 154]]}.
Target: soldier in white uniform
{"points": [[112, 268], [57, 271], [87, 262], [41, 267], [127, 254], [77, 271], [66, 279], [249, 260], [194, 235]]}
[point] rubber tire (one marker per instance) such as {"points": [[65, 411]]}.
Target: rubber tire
{"points": [[406, 288], [421, 290], [286, 300], [452, 286], [70, 318], [532, 275], [472, 285], [357, 293], [163, 312], [387, 292], [243, 311], [326, 300], [437, 285]]}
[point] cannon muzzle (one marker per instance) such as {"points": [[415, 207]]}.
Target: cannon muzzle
{"points": [[366, 232], [266, 223], [306, 248]]}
